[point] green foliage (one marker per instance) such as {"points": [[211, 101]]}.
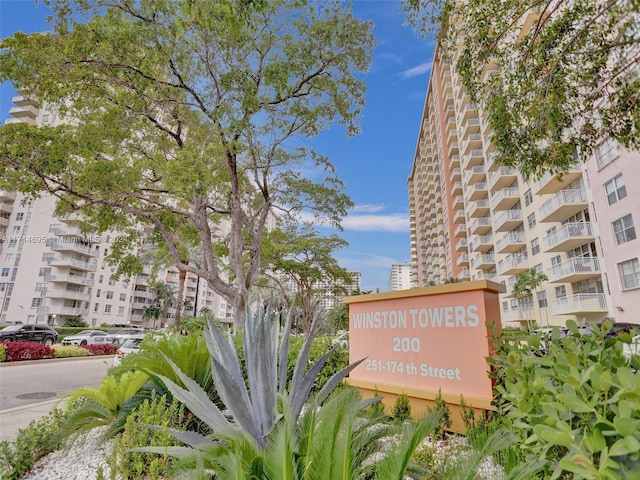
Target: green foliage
{"points": [[75, 321], [3, 349], [102, 406], [193, 324], [338, 317], [377, 409], [156, 410], [546, 100], [31, 443], [67, 351], [577, 407], [401, 409], [215, 136], [445, 415]]}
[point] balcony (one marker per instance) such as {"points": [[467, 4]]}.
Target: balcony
{"points": [[476, 191], [455, 175], [74, 247], [7, 196], [482, 243], [464, 274], [6, 208], [579, 304], [461, 245], [25, 111], [575, 269], [468, 111], [459, 217], [508, 220], [22, 101], [460, 231], [501, 178], [456, 188], [470, 127], [62, 310], [483, 262], [458, 200], [554, 182], [485, 276], [473, 158], [65, 294], [453, 147], [73, 263], [511, 242], [472, 141], [74, 279], [451, 122], [513, 265], [462, 259], [475, 174], [518, 315], [567, 237], [505, 199], [479, 208], [480, 226], [455, 161], [563, 205]]}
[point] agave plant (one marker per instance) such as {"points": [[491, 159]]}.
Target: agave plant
{"points": [[253, 403]]}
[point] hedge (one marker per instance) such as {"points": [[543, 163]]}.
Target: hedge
{"points": [[16, 351]]}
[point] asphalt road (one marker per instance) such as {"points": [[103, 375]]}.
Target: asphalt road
{"points": [[26, 383]]}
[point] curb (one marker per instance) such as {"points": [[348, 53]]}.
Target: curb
{"points": [[53, 360], [31, 405]]}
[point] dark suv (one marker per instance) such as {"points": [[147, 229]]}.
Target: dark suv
{"points": [[29, 333]]}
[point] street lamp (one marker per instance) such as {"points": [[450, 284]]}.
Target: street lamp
{"points": [[53, 317]]}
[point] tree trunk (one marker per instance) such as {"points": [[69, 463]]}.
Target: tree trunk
{"points": [[180, 298]]}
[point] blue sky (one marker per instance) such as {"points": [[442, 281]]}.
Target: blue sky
{"points": [[375, 164]]}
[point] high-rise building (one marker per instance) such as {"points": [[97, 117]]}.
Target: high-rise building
{"points": [[400, 277], [473, 219], [50, 270]]}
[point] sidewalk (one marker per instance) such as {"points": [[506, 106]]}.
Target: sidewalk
{"points": [[14, 419]]}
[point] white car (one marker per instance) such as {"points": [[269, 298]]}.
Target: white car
{"points": [[131, 345], [88, 337]]}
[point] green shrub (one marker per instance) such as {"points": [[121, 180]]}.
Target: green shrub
{"points": [[75, 321], [68, 351], [577, 405], [377, 409], [3, 355], [151, 466], [445, 419], [31, 443], [401, 410]]}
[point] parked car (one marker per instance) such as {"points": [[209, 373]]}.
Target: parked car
{"points": [[29, 333], [88, 337], [131, 345], [120, 336]]}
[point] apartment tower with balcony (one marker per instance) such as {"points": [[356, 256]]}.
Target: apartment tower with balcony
{"points": [[473, 219]]}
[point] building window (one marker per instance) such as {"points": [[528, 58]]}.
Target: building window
{"points": [[561, 291], [47, 257], [535, 246], [615, 189], [36, 302], [100, 278], [109, 295], [624, 230], [606, 153], [629, 274], [41, 286], [542, 299], [120, 310], [98, 291], [54, 227], [9, 258], [123, 297], [531, 220], [528, 198], [107, 308], [5, 272], [112, 282], [12, 243], [95, 307], [19, 216], [16, 230]]}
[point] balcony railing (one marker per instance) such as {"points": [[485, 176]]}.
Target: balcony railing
{"points": [[579, 303], [518, 315], [509, 238], [507, 197], [580, 231], [506, 173], [508, 220], [570, 201], [575, 267], [513, 262]]}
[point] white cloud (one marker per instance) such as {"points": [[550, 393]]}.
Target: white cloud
{"points": [[417, 70], [366, 207], [395, 222]]}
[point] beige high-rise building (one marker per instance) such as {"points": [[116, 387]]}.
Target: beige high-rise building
{"points": [[473, 219], [50, 270], [400, 276]]}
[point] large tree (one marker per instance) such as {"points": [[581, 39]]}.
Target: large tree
{"points": [[182, 115], [567, 73], [304, 258]]}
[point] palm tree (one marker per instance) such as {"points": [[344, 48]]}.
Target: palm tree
{"points": [[528, 282], [165, 295], [152, 312]]}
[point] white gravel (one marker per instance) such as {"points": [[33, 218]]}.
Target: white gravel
{"points": [[81, 461]]}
